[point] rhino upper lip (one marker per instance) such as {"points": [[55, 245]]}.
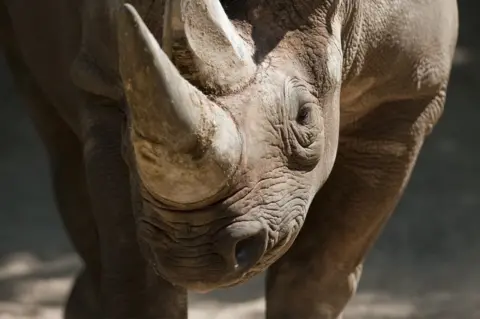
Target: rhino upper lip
{"points": [[223, 281]]}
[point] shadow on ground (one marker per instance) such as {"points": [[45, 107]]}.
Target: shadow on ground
{"points": [[423, 266]]}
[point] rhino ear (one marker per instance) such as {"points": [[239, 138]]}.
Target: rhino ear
{"points": [[223, 59]]}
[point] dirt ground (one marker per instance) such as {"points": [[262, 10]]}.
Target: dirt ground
{"points": [[425, 265]]}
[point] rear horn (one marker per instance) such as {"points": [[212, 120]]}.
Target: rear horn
{"points": [[222, 57]]}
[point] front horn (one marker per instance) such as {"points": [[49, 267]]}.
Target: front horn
{"points": [[186, 147], [223, 59]]}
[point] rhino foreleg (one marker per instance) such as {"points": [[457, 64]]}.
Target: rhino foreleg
{"points": [[83, 301], [64, 152], [129, 287], [320, 273]]}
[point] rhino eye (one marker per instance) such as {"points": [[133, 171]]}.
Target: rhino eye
{"points": [[305, 125], [304, 114]]}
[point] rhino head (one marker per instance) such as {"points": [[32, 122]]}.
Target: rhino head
{"points": [[228, 150]]}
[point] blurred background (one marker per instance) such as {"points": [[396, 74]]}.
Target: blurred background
{"points": [[425, 265]]}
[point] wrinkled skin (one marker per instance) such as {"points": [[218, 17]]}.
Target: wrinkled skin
{"points": [[329, 119]]}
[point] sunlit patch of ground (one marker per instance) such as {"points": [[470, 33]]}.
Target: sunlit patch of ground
{"points": [[33, 289]]}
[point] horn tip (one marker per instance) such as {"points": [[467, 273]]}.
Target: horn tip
{"points": [[129, 14], [129, 7]]}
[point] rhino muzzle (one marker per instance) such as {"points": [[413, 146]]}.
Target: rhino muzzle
{"points": [[185, 146]]}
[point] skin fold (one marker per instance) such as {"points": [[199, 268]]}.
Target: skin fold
{"points": [[280, 141]]}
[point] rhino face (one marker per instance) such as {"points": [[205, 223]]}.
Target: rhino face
{"points": [[225, 179]]}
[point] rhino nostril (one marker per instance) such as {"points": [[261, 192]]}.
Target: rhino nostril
{"points": [[248, 251], [241, 253]]}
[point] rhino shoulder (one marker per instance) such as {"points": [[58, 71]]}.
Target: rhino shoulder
{"points": [[404, 47]]}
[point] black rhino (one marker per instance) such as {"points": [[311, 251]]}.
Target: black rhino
{"points": [[188, 139]]}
